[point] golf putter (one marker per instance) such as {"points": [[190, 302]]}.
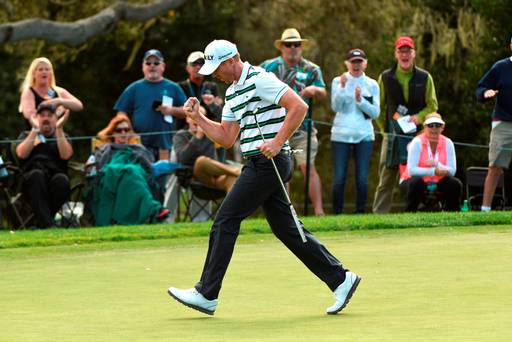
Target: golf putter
{"points": [[292, 209]]}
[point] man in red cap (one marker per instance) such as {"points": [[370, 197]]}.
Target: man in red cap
{"points": [[405, 91]]}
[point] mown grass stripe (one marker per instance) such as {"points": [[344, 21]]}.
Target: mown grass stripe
{"points": [[63, 237]]}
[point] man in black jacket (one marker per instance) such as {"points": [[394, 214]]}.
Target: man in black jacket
{"points": [[44, 153]]}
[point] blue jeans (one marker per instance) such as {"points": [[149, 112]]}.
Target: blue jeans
{"points": [[340, 157]]}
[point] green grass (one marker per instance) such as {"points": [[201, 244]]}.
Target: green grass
{"points": [[55, 237], [436, 284]]}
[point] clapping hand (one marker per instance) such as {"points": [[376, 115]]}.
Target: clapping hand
{"points": [[62, 120], [357, 93], [489, 93], [343, 79]]}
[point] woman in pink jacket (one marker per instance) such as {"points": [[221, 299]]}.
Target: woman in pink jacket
{"points": [[431, 164]]}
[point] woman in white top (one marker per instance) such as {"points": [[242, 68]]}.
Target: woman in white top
{"points": [[40, 86], [355, 98], [431, 166]]}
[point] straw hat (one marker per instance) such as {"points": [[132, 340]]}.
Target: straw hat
{"points": [[290, 35]]}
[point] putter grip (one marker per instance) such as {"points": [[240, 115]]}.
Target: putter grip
{"points": [[298, 224]]}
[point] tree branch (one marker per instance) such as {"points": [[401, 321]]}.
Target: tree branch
{"points": [[78, 32]]}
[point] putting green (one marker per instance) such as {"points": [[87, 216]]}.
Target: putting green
{"points": [[436, 284]]}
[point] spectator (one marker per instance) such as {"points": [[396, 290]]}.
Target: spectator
{"points": [[196, 150], [44, 153], [496, 83], [118, 131], [153, 102], [431, 159], [404, 89], [355, 99], [125, 192], [40, 86], [305, 78], [196, 86]]}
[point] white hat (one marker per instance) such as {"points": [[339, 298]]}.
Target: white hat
{"points": [[431, 118], [194, 56], [215, 53]]}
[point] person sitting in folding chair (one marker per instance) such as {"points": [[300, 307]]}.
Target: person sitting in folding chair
{"points": [[194, 149], [44, 153], [431, 166], [125, 190]]}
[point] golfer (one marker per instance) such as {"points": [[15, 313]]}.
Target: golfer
{"points": [[279, 112]]}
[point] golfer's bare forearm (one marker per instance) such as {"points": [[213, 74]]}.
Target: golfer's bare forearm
{"points": [[296, 110], [223, 133], [293, 120]]}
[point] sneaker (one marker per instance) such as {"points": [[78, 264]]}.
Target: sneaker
{"points": [[162, 215], [193, 299], [344, 292]]}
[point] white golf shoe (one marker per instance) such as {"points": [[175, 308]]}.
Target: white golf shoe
{"points": [[344, 292], [193, 299]]}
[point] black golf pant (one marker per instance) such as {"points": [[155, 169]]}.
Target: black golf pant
{"points": [[257, 186], [46, 194]]}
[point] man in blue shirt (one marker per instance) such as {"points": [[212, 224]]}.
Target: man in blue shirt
{"points": [[305, 78], [152, 103], [497, 82]]}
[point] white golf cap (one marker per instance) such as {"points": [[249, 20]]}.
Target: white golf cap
{"points": [[433, 118], [215, 53], [194, 56]]}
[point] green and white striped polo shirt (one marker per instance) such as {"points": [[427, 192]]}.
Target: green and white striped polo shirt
{"points": [[256, 91]]}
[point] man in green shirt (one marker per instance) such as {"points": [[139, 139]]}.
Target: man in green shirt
{"points": [[405, 89]]}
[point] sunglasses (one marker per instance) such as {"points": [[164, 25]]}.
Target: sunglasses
{"points": [[289, 45], [197, 63], [122, 130], [154, 63], [434, 125]]}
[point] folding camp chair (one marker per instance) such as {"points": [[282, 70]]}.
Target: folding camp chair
{"points": [[201, 201], [17, 213], [475, 180]]}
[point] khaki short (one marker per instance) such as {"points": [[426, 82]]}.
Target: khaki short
{"points": [[299, 141], [500, 147]]}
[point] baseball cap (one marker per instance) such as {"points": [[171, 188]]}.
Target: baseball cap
{"points": [[45, 106], [215, 53], [433, 118], [354, 54], [194, 56], [155, 53], [404, 41]]}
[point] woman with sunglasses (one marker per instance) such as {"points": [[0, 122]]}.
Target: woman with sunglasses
{"points": [[431, 164], [40, 86], [125, 190], [119, 131]]}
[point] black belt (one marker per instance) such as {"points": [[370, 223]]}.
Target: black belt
{"points": [[285, 153]]}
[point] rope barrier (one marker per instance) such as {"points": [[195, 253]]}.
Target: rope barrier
{"points": [[317, 122], [408, 136]]}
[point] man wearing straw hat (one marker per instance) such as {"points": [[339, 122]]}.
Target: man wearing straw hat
{"points": [[306, 79]]}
